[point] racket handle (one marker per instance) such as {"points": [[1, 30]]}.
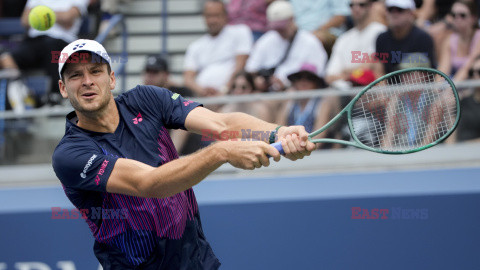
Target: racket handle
{"points": [[278, 146]]}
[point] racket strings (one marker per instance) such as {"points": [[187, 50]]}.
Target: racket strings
{"points": [[404, 112]]}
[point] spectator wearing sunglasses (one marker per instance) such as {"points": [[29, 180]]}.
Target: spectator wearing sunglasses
{"points": [[460, 47], [468, 128], [243, 84], [404, 44], [356, 41]]}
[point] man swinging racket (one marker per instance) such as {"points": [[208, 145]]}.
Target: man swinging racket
{"points": [[117, 157]]}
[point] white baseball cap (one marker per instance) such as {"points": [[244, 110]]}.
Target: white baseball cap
{"points": [[83, 45], [403, 4], [279, 13]]}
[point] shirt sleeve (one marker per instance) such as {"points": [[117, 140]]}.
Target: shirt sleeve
{"points": [[171, 107], [80, 164], [189, 62], [244, 39], [340, 7], [256, 56], [335, 64]]}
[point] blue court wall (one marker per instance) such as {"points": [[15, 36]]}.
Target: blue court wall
{"points": [[425, 219]]}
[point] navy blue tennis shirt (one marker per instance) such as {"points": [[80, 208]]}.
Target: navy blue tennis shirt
{"points": [[148, 233]]}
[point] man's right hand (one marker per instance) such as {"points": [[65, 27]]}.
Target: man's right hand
{"points": [[248, 155]]}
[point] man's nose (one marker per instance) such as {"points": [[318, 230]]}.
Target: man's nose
{"points": [[87, 79]]}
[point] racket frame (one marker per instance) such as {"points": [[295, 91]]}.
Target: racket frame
{"points": [[348, 109]]}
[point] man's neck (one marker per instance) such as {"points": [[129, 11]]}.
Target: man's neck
{"points": [[401, 32], [105, 121], [363, 24]]}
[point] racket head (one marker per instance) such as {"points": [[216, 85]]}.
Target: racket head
{"points": [[404, 111]]}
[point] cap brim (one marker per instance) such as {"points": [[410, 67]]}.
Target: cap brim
{"points": [[295, 76]]}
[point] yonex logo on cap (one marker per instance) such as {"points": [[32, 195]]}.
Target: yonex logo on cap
{"points": [[78, 46], [89, 163]]}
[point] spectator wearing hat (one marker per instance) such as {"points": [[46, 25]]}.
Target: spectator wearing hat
{"points": [[348, 51], [311, 113], [404, 44], [157, 73], [212, 60], [283, 49]]}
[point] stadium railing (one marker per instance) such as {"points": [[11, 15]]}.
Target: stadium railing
{"points": [[279, 96]]}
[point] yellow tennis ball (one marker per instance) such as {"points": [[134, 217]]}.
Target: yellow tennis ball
{"points": [[41, 18]]}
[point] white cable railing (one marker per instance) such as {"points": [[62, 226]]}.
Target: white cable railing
{"points": [[278, 96]]}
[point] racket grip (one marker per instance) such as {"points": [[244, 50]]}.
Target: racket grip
{"points": [[278, 146]]}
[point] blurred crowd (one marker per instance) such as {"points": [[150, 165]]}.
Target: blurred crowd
{"points": [[260, 46]]}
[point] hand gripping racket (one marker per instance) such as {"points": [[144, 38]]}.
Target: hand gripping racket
{"points": [[402, 112]]}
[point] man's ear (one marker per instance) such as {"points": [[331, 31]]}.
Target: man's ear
{"points": [[113, 81], [62, 88]]}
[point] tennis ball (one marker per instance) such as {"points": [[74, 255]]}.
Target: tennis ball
{"points": [[41, 18]]}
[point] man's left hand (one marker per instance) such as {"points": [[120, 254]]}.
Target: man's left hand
{"points": [[295, 142]]}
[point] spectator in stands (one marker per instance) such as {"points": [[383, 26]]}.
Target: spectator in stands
{"points": [[41, 49], [460, 46], [243, 84], [251, 13], [325, 18], [211, 61], [469, 126], [282, 50], [351, 46], [311, 113], [403, 45], [157, 73], [434, 17]]}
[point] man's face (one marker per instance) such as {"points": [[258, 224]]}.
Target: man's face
{"points": [[155, 77], [304, 82], [360, 10], [87, 85], [287, 31], [215, 17], [399, 18]]}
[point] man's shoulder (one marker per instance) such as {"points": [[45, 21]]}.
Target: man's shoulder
{"points": [[376, 27], [420, 33], [307, 38], [73, 139]]}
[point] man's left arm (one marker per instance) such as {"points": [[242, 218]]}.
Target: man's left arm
{"points": [[234, 126]]}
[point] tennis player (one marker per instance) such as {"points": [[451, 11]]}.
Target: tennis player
{"points": [[118, 165]]}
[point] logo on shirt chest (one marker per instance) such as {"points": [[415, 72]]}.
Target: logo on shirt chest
{"points": [[137, 119]]}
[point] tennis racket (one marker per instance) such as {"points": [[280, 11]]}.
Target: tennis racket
{"points": [[402, 112]]}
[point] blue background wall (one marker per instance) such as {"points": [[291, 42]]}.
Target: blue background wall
{"points": [[290, 222]]}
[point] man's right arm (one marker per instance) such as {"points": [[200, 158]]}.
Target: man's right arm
{"points": [[134, 178]]}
